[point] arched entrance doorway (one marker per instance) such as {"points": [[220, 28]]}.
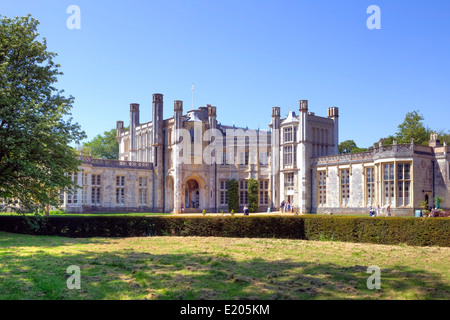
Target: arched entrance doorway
{"points": [[192, 194]]}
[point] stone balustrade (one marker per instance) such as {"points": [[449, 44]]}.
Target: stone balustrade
{"points": [[116, 163], [374, 153]]}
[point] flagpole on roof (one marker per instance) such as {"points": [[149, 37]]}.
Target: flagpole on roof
{"points": [[192, 96]]}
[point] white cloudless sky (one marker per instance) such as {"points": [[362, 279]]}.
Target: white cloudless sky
{"points": [[246, 57]]}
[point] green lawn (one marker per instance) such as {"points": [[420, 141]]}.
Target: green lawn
{"points": [[34, 267]]}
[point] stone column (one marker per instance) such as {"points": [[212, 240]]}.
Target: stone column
{"points": [[211, 193], [158, 149], [304, 160], [134, 122], [66, 197], [275, 158], [333, 113], [178, 196]]}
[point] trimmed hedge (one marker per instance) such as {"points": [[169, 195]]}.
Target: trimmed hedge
{"points": [[385, 230]]}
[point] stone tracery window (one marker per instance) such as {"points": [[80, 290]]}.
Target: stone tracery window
{"points": [[404, 184], [370, 186], [243, 158], [84, 191], [223, 192], [287, 155], [322, 188], [396, 184], [72, 197], [120, 190], [264, 159], [264, 192], [345, 187], [289, 180], [96, 181], [243, 192], [142, 191], [388, 184], [288, 134]]}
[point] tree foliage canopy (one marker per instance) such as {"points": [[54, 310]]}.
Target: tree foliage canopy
{"points": [[35, 124], [444, 136], [413, 128], [103, 146], [346, 146], [349, 146]]}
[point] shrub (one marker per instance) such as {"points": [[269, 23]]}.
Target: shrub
{"points": [[252, 188], [233, 195], [57, 211]]}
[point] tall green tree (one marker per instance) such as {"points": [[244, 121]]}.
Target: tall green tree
{"points": [[103, 146], [253, 191], [35, 124], [413, 128]]}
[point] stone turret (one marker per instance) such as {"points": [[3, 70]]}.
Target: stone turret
{"points": [[119, 130], [303, 106], [157, 154], [275, 157], [304, 153], [303, 121], [333, 113], [177, 126], [215, 154], [178, 118], [157, 130], [134, 122], [212, 115], [434, 140]]}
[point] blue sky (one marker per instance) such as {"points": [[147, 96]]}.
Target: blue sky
{"points": [[246, 57]]}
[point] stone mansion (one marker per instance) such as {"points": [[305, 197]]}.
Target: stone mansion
{"points": [[188, 159]]}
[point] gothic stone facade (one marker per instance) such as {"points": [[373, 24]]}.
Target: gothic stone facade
{"points": [[296, 160]]}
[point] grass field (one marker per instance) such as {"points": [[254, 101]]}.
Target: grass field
{"points": [[35, 267]]}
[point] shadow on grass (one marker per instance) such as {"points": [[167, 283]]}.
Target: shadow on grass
{"points": [[14, 240], [126, 274]]}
